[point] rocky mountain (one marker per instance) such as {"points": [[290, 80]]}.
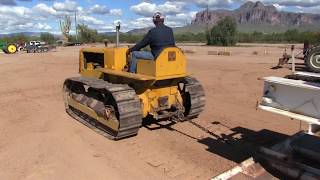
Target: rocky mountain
{"points": [[257, 16], [24, 33], [139, 31]]}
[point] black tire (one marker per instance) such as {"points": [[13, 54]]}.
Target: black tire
{"points": [[20, 48], [313, 60]]}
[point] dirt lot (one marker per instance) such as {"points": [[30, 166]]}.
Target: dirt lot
{"points": [[38, 140]]}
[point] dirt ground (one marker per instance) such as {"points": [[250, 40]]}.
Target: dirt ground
{"points": [[38, 140]]}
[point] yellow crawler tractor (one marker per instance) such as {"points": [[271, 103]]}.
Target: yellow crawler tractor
{"points": [[113, 102]]}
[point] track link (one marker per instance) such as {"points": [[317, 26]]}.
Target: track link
{"points": [[195, 98], [128, 107]]}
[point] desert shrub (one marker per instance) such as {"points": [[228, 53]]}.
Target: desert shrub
{"points": [[47, 37], [87, 35]]}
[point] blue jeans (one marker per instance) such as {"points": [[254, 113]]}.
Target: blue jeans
{"points": [[135, 55]]}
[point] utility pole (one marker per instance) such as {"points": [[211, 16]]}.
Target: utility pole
{"points": [[75, 24], [208, 16], [207, 24]]}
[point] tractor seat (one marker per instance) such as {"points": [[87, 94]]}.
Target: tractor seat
{"points": [[171, 61]]}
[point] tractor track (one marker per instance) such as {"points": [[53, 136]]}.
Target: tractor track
{"points": [[197, 97], [128, 105], [128, 108]]}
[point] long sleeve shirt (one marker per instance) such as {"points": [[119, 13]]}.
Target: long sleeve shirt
{"points": [[158, 38]]}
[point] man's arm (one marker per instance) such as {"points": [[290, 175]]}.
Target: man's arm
{"points": [[145, 41]]}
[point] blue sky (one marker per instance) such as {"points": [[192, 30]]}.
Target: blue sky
{"points": [[44, 15]]}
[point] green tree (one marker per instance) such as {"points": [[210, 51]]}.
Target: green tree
{"points": [[190, 37], [47, 37], [224, 33], [87, 35], [292, 35]]}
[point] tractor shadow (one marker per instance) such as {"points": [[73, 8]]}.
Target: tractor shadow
{"points": [[153, 125], [237, 145], [242, 143]]}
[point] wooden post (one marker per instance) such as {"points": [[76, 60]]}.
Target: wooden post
{"points": [[293, 60]]}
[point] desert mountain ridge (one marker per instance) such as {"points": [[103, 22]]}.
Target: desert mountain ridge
{"points": [[251, 16], [256, 14]]}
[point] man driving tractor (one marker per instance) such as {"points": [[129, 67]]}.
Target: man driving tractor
{"points": [[158, 38]]}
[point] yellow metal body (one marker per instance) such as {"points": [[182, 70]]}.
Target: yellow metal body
{"points": [[153, 81], [149, 99], [171, 62], [114, 59]]}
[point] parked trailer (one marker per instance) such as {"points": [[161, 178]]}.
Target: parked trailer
{"points": [[295, 158], [297, 97]]}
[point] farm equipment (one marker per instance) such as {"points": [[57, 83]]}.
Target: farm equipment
{"points": [[113, 102], [8, 48], [310, 56], [37, 47]]}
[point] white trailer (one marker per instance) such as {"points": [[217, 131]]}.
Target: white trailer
{"points": [[297, 97]]}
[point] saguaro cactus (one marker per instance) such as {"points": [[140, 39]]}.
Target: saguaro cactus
{"points": [[65, 27]]}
